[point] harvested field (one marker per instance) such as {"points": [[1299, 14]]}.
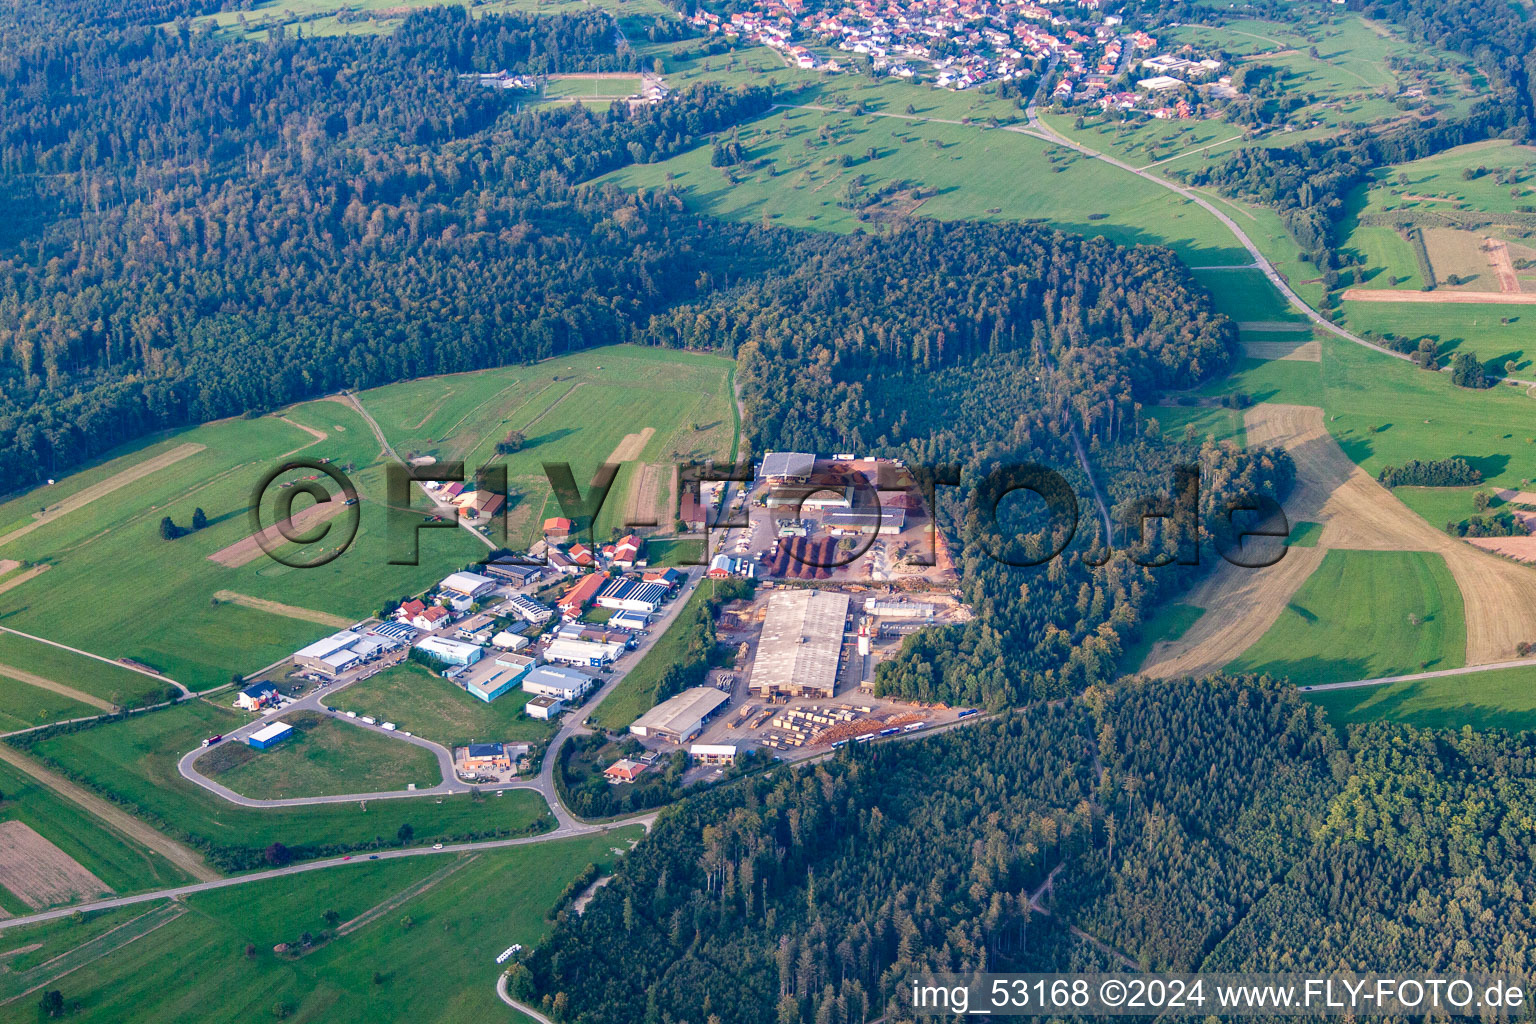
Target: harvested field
{"points": [[1516, 497], [277, 608], [1301, 351], [243, 552], [1438, 296], [1503, 267], [1521, 549], [7, 564], [85, 496], [1356, 513], [640, 508], [32, 679], [39, 873], [629, 449], [20, 578]]}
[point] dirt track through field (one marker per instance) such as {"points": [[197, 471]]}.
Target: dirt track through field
{"points": [[86, 495], [183, 857], [1356, 513], [1390, 295], [1297, 351], [243, 552], [631, 446], [39, 873], [640, 507], [261, 604], [23, 676], [1503, 267], [20, 578]]}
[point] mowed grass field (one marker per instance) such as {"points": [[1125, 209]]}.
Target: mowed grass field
{"points": [[152, 599], [576, 409], [324, 757], [430, 706], [133, 761], [795, 176], [426, 955], [106, 682], [1384, 411], [116, 860], [1498, 699], [1496, 334], [1364, 614]]}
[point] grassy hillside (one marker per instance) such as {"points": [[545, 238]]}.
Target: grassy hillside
{"points": [[1500, 699], [428, 955], [1364, 614], [133, 761]]}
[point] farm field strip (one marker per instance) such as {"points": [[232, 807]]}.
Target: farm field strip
{"points": [[1356, 513], [39, 873]]}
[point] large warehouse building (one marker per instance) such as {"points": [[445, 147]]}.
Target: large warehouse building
{"points": [[682, 717], [801, 644]]}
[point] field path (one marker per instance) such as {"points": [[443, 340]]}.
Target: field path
{"points": [[102, 488], [1358, 514], [23, 676], [1439, 296], [22, 577], [278, 608], [117, 819]]}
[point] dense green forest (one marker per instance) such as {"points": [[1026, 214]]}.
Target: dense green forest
{"points": [[1211, 824]]}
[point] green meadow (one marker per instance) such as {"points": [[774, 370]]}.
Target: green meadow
{"points": [[1496, 334], [122, 864], [1361, 615], [133, 762], [575, 409], [153, 599], [427, 705], [322, 757], [1385, 411], [112, 683], [1198, 422], [1440, 182], [814, 168], [354, 17], [1496, 699], [422, 936]]}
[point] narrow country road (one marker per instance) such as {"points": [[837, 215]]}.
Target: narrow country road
{"points": [[643, 820], [544, 783], [1413, 677]]}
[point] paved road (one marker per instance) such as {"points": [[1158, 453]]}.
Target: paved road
{"points": [[544, 783], [643, 820], [1037, 128], [1416, 676]]}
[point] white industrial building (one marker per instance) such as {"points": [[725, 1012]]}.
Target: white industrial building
{"points": [[630, 595], [454, 652], [467, 584], [801, 645], [680, 718], [629, 620], [565, 683], [341, 651], [529, 610], [544, 707], [510, 641], [583, 652]]}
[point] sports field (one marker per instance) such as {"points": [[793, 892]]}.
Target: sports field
{"points": [[1364, 614], [430, 706], [413, 939], [814, 168], [322, 757], [133, 761], [1500, 699], [627, 404]]}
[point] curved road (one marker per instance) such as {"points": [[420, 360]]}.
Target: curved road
{"points": [[1038, 127], [544, 783]]}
